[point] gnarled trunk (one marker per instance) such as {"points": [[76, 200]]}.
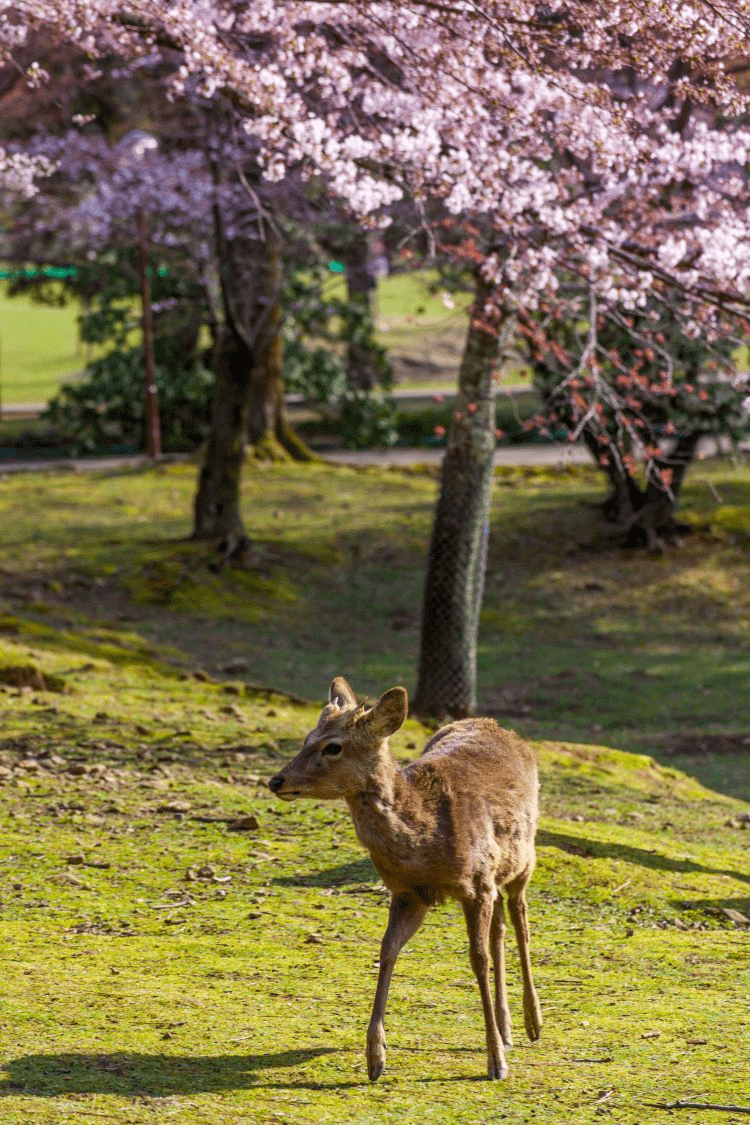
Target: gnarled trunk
{"points": [[638, 516], [454, 584], [268, 432]]}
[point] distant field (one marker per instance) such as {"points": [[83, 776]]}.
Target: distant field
{"points": [[424, 331], [40, 349]]}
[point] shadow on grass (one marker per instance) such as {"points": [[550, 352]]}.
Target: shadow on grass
{"points": [[580, 845], [360, 871], [129, 1074]]}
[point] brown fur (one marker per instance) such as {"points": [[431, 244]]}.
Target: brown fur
{"points": [[458, 822]]}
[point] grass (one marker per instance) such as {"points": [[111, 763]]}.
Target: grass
{"points": [[577, 640], [40, 350], [162, 965]]}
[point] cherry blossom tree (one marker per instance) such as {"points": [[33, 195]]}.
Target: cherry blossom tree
{"points": [[582, 137], [210, 217], [641, 393]]}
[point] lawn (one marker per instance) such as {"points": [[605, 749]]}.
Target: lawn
{"points": [[181, 947], [39, 349], [39, 346]]}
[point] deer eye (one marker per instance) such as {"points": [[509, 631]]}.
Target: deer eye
{"points": [[333, 749]]}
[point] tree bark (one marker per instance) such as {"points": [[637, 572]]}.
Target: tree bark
{"points": [[644, 517], [361, 366], [248, 400], [217, 502], [454, 584], [268, 432]]}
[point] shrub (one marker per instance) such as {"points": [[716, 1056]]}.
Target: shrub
{"points": [[107, 409]]}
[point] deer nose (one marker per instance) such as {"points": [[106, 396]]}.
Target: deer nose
{"points": [[276, 783]]}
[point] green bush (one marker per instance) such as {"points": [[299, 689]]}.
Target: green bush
{"points": [[359, 417], [106, 412], [367, 418]]}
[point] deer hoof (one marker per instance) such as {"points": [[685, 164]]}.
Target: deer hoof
{"points": [[533, 1020], [497, 1069], [375, 1067], [375, 1059]]}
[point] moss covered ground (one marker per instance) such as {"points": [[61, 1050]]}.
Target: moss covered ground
{"points": [[180, 947]]}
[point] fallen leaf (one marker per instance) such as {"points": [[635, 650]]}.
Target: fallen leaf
{"points": [[735, 916]]}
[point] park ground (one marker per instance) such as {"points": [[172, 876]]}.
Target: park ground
{"points": [[179, 947]]}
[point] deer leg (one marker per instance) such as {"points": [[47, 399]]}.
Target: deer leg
{"points": [[532, 1013], [478, 912], [497, 946], [406, 916]]}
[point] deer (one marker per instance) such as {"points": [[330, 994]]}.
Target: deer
{"points": [[457, 822]]}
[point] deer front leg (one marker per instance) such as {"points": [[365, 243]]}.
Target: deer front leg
{"points": [[478, 912], [405, 917]]}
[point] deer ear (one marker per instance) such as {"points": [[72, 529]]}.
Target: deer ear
{"points": [[341, 694], [389, 713]]}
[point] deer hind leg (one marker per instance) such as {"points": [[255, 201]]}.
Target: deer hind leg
{"points": [[478, 912], [497, 947], [532, 1013], [405, 917]]}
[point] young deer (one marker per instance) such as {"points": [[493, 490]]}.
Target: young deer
{"points": [[458, 822]]}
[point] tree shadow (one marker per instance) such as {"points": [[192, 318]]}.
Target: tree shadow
{"points": [[580, 845], [130, 1074]]}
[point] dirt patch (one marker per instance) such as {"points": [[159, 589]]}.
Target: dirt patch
{"points": [[700, 744], [28, 676], [564, 690]]}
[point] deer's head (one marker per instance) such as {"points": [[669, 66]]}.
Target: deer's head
{"points": [[340, 753]]}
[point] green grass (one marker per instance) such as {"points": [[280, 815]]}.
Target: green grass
{"points": [[160, 966], [40, 350], [577, 639]]}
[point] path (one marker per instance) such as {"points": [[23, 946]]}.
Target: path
{"points": [[528, 453]]}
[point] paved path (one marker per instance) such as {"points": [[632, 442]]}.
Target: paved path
{"points": [[525, 453], [529, 453], [552, 454]]}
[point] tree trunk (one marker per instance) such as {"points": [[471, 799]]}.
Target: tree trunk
{"points": [[268, 432], [458, 549], [248, 400], [217, 502], [645, 517], [626, 496], [361, 365]]}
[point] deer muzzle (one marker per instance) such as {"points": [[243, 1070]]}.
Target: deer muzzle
{"points": [[276, 782]]}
